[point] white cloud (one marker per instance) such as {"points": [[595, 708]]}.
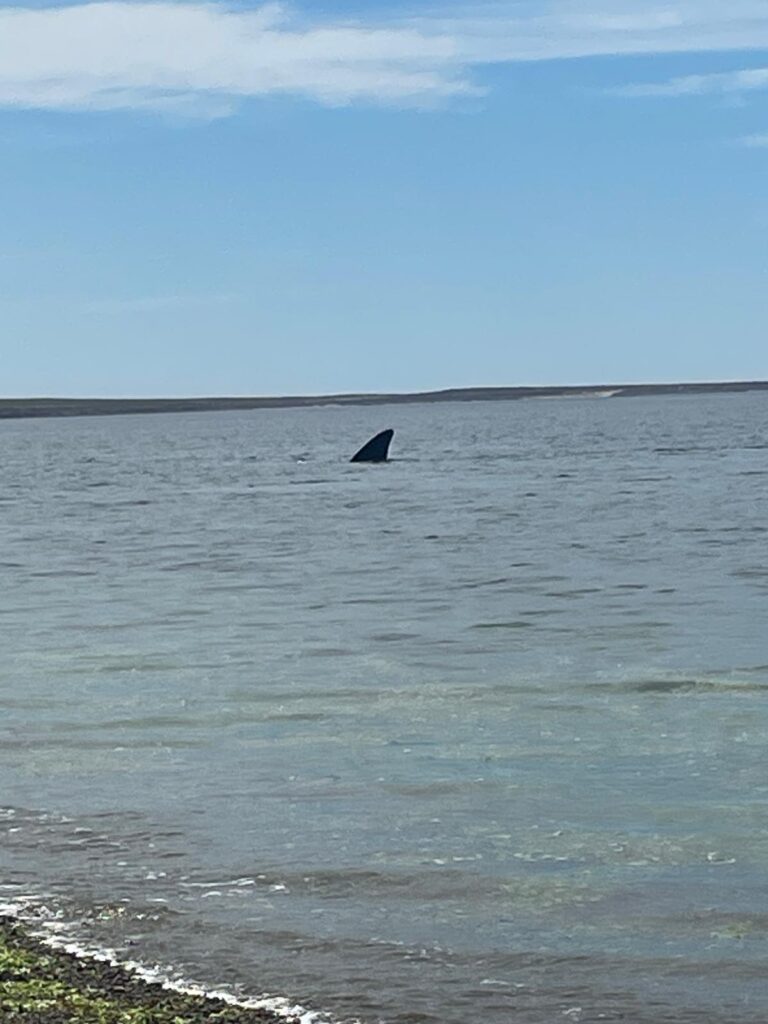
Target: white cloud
{"points": [[203, 58], [730, 82], [170, 56], [755, 141]]}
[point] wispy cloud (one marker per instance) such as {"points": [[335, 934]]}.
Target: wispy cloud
{"points": [[730, 82], [203, 58], [755, 141], [559, 29]]}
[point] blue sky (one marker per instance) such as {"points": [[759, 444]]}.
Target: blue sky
{"points": [[355, 196]]}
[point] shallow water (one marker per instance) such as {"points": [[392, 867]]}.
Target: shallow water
{"points": [[478, 732]]}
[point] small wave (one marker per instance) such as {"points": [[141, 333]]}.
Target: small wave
{"points": [[61, 573], [436, 878], [477, 584], [678, 685], [757, 572], [692, 450], [667, 685], [393, 637], [514, 624]]}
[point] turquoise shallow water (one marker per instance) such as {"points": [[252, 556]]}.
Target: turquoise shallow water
{"points": [[480, 732]]}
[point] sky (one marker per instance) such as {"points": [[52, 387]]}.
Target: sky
{"points": [[330, 197]]}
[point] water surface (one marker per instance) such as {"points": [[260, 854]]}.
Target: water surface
{"points": [[476, 734]]}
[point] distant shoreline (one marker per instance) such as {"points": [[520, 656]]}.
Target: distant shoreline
{"points": [[28, 408]]}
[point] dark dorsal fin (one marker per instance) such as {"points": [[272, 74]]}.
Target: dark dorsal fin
{"points": [[376, 449]]}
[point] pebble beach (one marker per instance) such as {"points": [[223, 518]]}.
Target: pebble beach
{"points": [[41, 985]]}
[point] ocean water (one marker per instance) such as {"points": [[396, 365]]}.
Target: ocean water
{"points": [[479, 734]]}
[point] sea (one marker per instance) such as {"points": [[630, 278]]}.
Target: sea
{"points": [[478, 734]]}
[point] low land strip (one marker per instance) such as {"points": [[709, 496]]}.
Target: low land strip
{"points": [[17, 408]]}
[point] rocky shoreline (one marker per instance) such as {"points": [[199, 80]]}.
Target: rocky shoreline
{"points": [[41, 985]]}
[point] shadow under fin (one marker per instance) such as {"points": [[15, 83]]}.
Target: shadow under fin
{"points": [[376, 449]]}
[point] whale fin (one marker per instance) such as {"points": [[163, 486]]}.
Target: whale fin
{"points": [[376, 449]]}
